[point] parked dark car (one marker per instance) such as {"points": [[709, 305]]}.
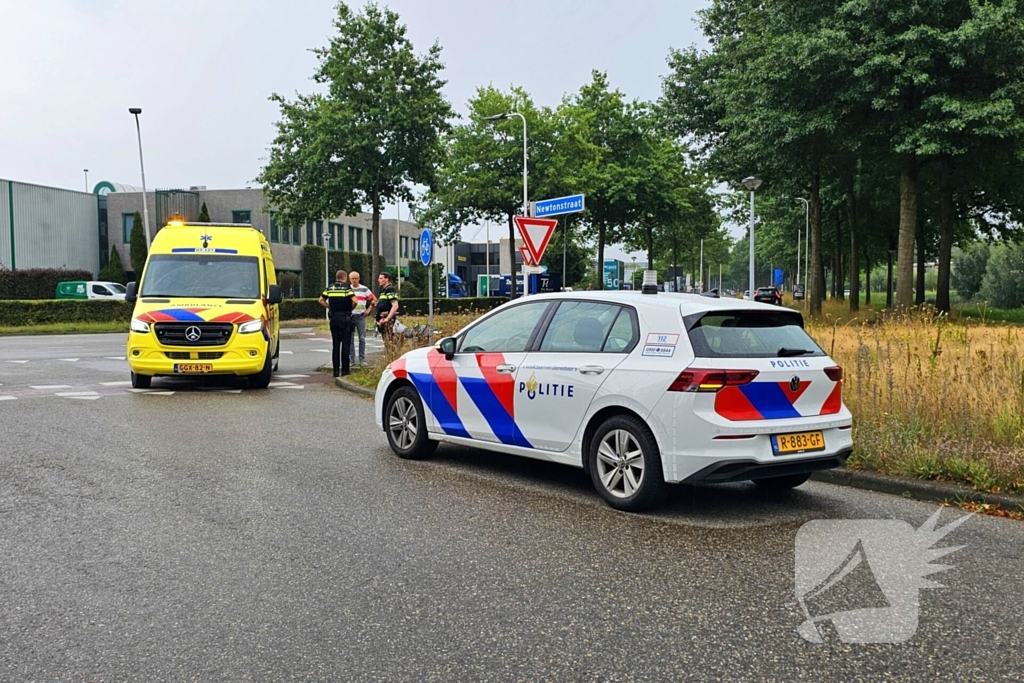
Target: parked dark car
{"points": [[798, 292], [768, 295]]}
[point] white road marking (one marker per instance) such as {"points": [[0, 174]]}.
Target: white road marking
{"points": [[289, 376], [323, 350], [69, 360], [281, 384], [290, 353], [290, 386], [114, 357], [126, 383], [70, 394], [17, 361], [228, 391], [49, 386], [8, 398], [141, 391], [159, 393]]}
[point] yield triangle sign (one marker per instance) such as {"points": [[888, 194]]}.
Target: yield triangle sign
{"points": [[527, 256], [536, 233]]}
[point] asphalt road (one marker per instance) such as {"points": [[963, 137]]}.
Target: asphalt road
{"points": [[271, 535]]}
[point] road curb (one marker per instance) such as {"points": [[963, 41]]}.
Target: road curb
{"points": [[343, 383], [919, 489]]}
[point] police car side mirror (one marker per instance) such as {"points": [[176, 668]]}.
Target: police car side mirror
{"points": [[447, 347], [274, 296], [131, 292]]}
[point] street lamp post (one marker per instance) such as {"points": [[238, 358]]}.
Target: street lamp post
{"points": [[86, 179], [526, 202], [752, 183], [327, 267], [135, 111]]}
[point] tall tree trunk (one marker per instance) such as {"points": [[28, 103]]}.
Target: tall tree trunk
{"points": [[375, 246], [888, 284], [818, 275], [851, 205], [840, 272], [650, 248], [600, 257], [867, 279], [512, 254], [919, 289], [908, 228], [675, 266], [947, 221]]}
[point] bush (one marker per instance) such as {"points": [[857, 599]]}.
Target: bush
{"points": [[409, 290], [204, 214], [20, 313], [1003, 284], [300, 309], [290, 284], [968, 271], [36, 283], [313, 279], [137, 245], [114, 272]]}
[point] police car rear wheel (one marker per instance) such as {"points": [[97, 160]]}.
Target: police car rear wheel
{"points": [[625, 464], [141, 381], [790, 481], [406, 426]]}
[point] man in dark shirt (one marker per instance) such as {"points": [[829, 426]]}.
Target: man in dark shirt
{"points": [[387, 306], [339, 299]]}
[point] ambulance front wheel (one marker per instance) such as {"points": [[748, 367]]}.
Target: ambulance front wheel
{"points": [[141, 381], [406, 426]]}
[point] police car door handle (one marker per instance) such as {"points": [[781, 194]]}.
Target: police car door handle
{"points": [[591, 369], [505, 368]]}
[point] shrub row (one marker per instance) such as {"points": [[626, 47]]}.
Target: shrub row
{"points": [[21, 313], [37, 283], [313, 278]]}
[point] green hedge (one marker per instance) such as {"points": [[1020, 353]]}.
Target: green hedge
{"points": [[313, 267], [37, 283], [20, 313]]}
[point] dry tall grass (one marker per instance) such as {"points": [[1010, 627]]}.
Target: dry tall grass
{"points": [[932, 397]]}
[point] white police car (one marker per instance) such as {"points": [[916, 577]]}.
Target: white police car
{"points": [[639, 389]]}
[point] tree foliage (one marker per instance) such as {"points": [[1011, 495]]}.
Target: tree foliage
{"points": [[372, 132], [114, 270], [137, 247]]}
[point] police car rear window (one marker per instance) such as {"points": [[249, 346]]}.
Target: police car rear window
{"points": [[749, 334]]}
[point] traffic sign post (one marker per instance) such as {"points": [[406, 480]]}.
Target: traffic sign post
{"points": [[427, 259], [536, 233], [558, 206]]}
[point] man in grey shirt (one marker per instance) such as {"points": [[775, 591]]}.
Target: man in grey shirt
{"points": [[364, 304]]}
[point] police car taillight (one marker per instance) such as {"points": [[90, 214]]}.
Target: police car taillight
{"points": [[695, 380], [834, 373]]}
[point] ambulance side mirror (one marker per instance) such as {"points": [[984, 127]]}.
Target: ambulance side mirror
{"points": [[274, 296], [131, 292], [447, 347]]}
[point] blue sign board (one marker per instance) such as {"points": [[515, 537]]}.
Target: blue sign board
{"points": [[426, 247], [777, 280], [556, 207]]}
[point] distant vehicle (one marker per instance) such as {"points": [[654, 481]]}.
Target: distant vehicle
{"points": [[90, 289], [457, 288], [768, 295], [798, 292], [607, 381]]}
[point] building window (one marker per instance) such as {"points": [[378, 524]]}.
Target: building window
{"points": [[355, 238], [296, 235], [274, 232], [405, 246], [309, 232], [285, 234], [416, 249], [369, 241], [127, 221], [241, 216], [337, 231], [319, 227]]}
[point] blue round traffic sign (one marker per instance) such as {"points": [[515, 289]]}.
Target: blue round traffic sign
{"points": [[426, 247]]}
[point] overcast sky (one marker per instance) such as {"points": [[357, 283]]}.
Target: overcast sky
{"points": [[202, 71]]}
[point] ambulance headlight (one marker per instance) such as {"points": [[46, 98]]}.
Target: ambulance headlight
{"points": [[250, 327], [139, 326]]}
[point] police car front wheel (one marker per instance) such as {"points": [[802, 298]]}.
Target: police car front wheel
{"points": [[625, 465], [405, 425]]}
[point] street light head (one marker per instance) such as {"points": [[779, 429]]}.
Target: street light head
{"points": [[752, 183], [496, 117], [135, 110]]}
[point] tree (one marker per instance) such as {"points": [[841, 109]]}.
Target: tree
{"points": [[138, 249], [114, 271], [1003, 284], [204, 214], [969, 266], [481, 175], [373, 132]]}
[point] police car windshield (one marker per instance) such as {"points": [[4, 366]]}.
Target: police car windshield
{"points": [[749, 334], [202, 276]]}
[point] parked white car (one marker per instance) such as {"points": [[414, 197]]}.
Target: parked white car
{"points": [[639, 389]]}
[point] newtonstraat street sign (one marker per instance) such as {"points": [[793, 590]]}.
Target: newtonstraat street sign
{"points": [[558, 206]]}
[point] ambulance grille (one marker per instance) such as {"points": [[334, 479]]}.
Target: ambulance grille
{"points": [[176, 334]]}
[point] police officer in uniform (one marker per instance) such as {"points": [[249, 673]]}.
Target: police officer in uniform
{"points": [[339, 299], [387, 306]]}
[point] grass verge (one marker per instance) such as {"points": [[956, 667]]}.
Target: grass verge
{"points": [[64, 328]]}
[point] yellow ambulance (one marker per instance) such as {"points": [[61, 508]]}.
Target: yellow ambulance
{"points": [[207, 304]]}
